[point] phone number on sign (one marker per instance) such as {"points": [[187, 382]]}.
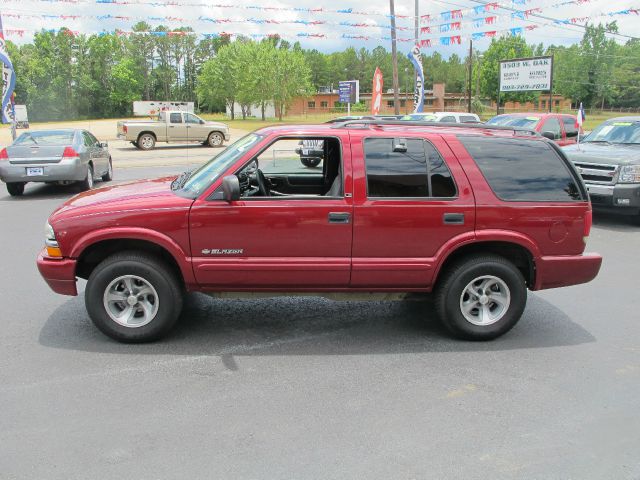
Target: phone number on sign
{"points": [[532, 86]]}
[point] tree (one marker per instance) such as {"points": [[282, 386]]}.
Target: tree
{"points": [[126, 85], [292, 78]]}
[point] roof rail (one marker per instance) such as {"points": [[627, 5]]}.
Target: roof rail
{"points": [[480, 126]]}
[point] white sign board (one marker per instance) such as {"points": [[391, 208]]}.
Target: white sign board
{"points": [[525, 74], [152, 108]]}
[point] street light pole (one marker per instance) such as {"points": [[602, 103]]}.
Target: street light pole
{"points": [[406, 90], [470, 73]]}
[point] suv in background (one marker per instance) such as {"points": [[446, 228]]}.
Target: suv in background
{"points": [[561, 128], [474, 214], [609, 161]]}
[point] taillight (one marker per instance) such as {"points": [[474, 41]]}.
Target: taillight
{"points": [[125, 129], [3, 154], [70, 152], [588, 220]]}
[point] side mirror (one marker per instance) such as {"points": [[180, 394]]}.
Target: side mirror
{"points": [[549, 135], [230, 188], [103, 144]]}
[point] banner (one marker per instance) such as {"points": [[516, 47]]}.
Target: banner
{"points": [[418, 96], [8, 81], [376, 92]]}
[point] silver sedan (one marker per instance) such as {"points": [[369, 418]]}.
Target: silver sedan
{"points": [[55, 156]]}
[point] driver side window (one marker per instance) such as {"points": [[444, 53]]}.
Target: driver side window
{"points": [[294, 167]]}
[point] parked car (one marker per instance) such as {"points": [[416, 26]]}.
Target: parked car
{"points": [[55, 156], [609, 161], [348, 118], [561, 128], [173, 127], [445, 117], [475, 214]]}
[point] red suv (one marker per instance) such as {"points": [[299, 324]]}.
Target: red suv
{"points": [[561, 128], [472, 213]]}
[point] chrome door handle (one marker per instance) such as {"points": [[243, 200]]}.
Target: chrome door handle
{"points": [[339, 217]]}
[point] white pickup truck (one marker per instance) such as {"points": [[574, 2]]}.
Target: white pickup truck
{"points": [[173, 127]]}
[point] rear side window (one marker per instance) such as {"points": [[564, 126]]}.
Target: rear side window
{"points": [[570, 127], [467, 119], [448, 119], [420, 171], [552, 125], [175, 118], [522, 170]]}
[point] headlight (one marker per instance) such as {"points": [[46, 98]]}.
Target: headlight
{"points": [[629, 174], [53, 250]]}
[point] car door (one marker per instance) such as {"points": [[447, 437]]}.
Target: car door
{"points": [[296, 241], [101, 154], [177, 129], [407, 206], [196, 130], [92, 152]]}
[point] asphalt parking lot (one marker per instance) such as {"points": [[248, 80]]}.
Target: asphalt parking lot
{"points": [[309, 388]]}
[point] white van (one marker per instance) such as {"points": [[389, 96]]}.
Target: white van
{"points": [[448, 117]]}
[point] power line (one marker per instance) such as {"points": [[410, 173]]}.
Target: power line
{"points": [[544, 17]]}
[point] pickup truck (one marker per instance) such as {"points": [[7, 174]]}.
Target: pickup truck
{"points": [[475, 214], [173, 127], [609, 161]]}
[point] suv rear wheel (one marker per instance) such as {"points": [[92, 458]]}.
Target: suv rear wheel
{"points": [[481, 298], [133, 297]]}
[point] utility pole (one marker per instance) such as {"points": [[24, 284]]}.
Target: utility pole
{"points": [[394, 59], [470, 73]]}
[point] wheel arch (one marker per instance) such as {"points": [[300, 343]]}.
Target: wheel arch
{"points": [[150, 132], [520, 255], [91, 251]]}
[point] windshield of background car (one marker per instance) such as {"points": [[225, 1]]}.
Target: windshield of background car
{"points": [[514, 121], [45, 138], [616, 132], [210, 171]]}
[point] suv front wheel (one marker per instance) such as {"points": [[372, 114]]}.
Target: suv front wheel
{"points": [[481, 298], [133, 297]]}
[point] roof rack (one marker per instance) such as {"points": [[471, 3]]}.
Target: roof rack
{"points": [[479, 126]]}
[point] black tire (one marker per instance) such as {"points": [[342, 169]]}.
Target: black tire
{"points": [[215, 139], [15, 189], [450, 296], [107, 177], [87, 183], [311, 162], [146, 141], [148, 268]]}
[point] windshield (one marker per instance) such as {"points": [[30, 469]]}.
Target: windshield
{"points": [[204, 176], [514, 121], [45, 138], [616, 132]]}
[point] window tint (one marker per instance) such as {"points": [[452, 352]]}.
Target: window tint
{"points": [[570, 127], [175, 118], [552, 125], [87, 140], [191, 118], [418, 172], [524, 170]]}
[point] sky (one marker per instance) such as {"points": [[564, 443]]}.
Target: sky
{"points": [[334, 29]]}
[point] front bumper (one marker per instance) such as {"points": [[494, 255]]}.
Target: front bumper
{"points": [[60, 274], [227, 136], [623, 198], [65, 170], [565, 270]]}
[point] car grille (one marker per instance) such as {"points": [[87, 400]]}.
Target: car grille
{"points": [[596, 172]]}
